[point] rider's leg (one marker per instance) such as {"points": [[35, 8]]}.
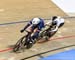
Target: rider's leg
{"points": [[35, 36]]}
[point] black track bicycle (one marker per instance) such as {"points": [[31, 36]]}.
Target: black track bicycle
{"points": [[23, 42], [27, 42]]}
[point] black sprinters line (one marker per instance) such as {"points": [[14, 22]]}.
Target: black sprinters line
{"points": [[39, 54]]}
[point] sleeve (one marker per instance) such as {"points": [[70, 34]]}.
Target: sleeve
{"points": [[28, 24]]}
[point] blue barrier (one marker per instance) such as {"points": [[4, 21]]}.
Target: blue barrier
{"points": [[39, 54], [67, 55]]}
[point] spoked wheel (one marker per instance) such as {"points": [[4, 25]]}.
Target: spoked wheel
{"points": [[46, 38], [43, 37], [29, 43], [19, 45]]}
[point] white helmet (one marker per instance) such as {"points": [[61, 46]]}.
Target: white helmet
{"points": [[35, 21]]}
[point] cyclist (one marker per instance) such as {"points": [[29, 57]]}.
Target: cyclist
{"points": [[56, 23], [36, 25]]}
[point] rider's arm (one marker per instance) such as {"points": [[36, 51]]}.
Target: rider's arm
{"points": [[48, 23], [27, 25]]}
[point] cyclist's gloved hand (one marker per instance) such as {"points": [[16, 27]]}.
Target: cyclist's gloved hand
{"points": [[22, 31]]}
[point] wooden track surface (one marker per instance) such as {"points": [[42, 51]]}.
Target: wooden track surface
{"points": [[16, 10]]}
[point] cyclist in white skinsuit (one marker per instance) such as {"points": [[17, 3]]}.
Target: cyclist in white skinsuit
{"points": [[57, 21]]}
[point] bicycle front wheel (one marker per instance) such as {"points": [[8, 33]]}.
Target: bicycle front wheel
{"points": [[19, 45]]}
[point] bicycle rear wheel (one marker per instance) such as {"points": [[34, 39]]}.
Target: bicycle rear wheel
{"points": [[29, 43]]}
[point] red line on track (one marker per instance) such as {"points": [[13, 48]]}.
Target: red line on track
{"points": [[8, 49]]}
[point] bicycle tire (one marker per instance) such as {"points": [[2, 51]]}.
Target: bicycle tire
{"points": [[29, 43], [19, 44]]}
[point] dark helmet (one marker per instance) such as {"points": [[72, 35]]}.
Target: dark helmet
{"points": [[54, 17]]}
